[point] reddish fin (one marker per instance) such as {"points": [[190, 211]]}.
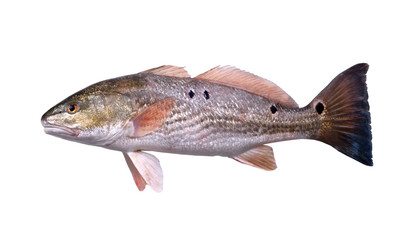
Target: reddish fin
{"points": [[344, 109], [138, 179], [169, 70], [260, 157], [147, 170], [151, 118], [236, 78]]}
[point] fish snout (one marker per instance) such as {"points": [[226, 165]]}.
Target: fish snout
{"points": [[58, 130], [44, 120]]}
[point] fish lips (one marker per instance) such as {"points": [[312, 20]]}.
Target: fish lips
{"points": [[59, 131]]}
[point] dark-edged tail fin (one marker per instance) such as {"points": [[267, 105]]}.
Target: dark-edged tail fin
{"points": [[344, 109]]}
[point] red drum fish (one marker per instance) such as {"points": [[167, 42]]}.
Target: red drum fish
{"points": [[224, 111]]}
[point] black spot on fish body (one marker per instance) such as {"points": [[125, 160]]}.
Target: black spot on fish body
{"points": [[206, 95], [191, 94], [319, 108], [273, 109]]}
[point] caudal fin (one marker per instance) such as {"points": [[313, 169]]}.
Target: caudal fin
{"points": [[345, 118]]}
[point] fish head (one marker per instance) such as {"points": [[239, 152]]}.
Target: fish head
{"points": [[90, 116]]}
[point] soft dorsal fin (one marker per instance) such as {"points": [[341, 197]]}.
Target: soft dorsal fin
{"points": [[234, 77], [150, 119], [169, 70], [261, 157]]}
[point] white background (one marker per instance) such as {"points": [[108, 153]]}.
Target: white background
{"points": [[54, 189]]}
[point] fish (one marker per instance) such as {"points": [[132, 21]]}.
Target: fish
{"points": [[223, 112]]}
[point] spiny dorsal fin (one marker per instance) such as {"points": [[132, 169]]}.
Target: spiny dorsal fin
{"points": [[169, 70], [261, 157], [234, 77], [151, 118]]}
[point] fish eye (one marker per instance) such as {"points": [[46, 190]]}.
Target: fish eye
{"points": [[72, 108]]}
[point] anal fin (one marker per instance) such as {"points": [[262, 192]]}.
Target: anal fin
{"points": [[261, 157], [146, 170]]}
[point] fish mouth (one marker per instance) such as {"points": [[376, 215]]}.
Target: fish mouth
{"points": [[58, 130], [61, 131]]}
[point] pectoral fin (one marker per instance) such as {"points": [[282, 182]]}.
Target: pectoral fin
{"points": [[260, 157], [151, 118], [146, 170]]}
